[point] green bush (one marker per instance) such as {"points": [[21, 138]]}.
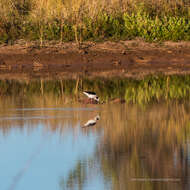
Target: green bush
{"points": [[152, 22]]}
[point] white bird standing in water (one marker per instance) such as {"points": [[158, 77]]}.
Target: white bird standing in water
{"points": [[91, 95], [92, 122]]}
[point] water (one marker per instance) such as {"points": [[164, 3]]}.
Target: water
{"points": [[43, 145]]}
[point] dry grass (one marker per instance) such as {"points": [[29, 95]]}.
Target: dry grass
{"points": [[76, 9], [69, 19]]}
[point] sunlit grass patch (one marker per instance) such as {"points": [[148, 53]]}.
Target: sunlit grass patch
{"points": [[81, 20]]}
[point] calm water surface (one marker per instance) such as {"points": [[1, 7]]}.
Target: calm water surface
{"points": [[43, 145]]}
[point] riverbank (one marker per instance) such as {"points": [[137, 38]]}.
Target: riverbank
{"points": [[134, 59]]}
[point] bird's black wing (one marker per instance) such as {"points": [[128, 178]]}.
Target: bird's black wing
{"points": [[89, 92]]}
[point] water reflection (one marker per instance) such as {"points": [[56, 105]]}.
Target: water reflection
{"points": [[132, 147], [91, 122], [147, 143]]}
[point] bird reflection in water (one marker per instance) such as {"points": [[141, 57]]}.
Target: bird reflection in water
{"points": [[91, 122]]}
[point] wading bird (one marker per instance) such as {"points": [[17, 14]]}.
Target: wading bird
{"points": [[91, 95]]}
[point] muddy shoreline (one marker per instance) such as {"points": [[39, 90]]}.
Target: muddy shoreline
{"points": [[108, 59]]}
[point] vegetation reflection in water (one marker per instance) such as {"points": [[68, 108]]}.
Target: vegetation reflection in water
{"points": [[148, 89], [138, 142]]}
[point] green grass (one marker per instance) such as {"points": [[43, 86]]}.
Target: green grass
{"points": [[79, 21], [147, 90]]}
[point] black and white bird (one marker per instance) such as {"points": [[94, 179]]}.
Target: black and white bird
{"points": [[91, 95], [92, 122]]}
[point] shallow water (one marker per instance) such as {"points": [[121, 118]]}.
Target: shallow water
{"points": [[43, 145]]}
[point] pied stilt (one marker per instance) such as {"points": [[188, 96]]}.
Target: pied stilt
{"points": [[91, 95]]}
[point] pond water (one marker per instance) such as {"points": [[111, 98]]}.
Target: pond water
{"points": [[44, 145]]}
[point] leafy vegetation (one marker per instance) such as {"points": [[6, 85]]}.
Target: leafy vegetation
{"points": [[146, 90], [81, 20]]}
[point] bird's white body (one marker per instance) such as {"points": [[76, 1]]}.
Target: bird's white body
{"points": [[91, 95], [92, 122]]}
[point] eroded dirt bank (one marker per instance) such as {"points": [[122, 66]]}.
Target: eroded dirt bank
{"points": [[125, 59]]}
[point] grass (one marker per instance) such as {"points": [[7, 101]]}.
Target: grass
{"points": [[143, 91], [82, 20]]}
